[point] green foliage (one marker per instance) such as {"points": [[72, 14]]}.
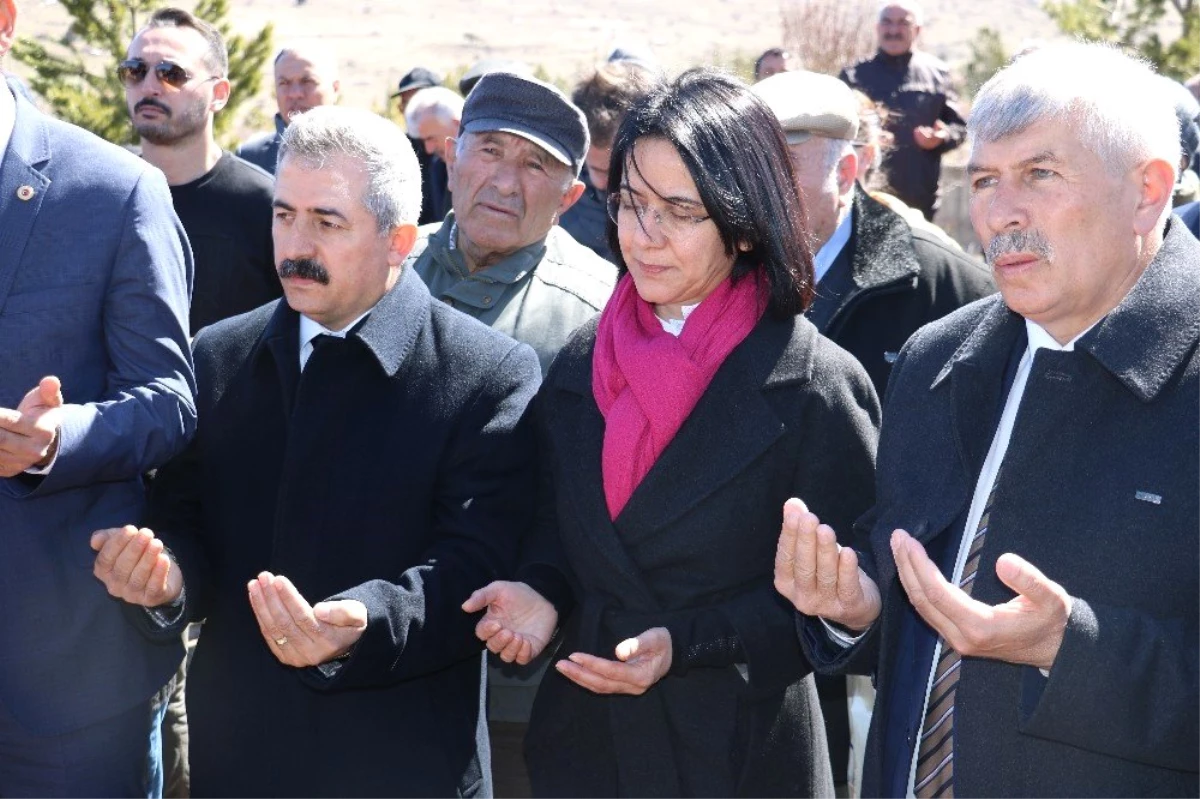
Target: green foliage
{"points": [[77, 76], [987, 57], [1138, 26]]}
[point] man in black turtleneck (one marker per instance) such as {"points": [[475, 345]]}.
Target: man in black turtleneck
{"points": [[915, 86]]}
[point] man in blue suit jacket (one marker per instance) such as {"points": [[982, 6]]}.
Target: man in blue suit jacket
{"points": [[96, 389]]}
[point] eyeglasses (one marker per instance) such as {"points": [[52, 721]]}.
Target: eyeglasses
{"points": [[672, 224], [133, 71]]}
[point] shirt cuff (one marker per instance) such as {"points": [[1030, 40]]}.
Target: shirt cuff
{"points": [[841, 637]]}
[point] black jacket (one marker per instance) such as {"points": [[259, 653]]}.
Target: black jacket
{"points": [[787, 414], [917, 90], [889, 280], [393, 471], [1098, 491]]}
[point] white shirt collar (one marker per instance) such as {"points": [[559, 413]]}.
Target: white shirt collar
{"points": [[675, 326], [8, 115], [310, 330], [1040, 339], [831, 249]]}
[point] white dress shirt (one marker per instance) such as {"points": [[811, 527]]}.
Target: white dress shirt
{"points": [[831, 249], [310, 330]]}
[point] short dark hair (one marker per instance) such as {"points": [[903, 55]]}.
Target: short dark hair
{"points": [[737, 155], [608, 93], [774, 52], [216, 57]]}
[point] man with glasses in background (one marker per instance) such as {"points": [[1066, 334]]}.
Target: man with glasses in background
{"points": [[916, 88], [176, 80]]}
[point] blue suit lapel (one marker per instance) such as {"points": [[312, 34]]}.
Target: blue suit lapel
{"points": [[23, 188]]}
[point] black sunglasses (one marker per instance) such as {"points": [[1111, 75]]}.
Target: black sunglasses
{"points": [[133, 71]]}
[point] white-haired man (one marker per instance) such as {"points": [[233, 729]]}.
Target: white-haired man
{"points": [[916, 88], [306, 76], [1028, 591], [363, 457], [433, 116]]}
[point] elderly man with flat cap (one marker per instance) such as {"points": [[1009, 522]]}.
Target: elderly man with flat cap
{"points": [[499, 255], [878, 278]]}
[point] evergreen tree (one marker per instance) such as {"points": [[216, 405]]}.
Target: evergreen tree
{"points": [[1137, 25], [85, 92]]}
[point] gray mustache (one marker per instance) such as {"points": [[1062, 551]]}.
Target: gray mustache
{"points": [[1030, 241], [305, 268]]}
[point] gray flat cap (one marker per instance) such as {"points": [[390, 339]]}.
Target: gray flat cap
{"points": [[810, 104], [528, 108]]}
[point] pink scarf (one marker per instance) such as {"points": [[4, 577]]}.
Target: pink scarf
{"points": [[647, 381]]}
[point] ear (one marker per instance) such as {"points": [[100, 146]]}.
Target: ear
{"points": [[570, 197], [400, 243], [8, 25], [221, 91], [1156, 185], [847, 172]]}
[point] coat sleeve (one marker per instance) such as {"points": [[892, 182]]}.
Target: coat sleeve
{"points": [[416, 624], [956, 126], [1146, 669], [148, 413], [835, 477]]}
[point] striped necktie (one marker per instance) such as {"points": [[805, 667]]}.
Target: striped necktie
{"points": [[935, 756]]}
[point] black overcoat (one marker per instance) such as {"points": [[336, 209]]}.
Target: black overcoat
{"points": [[888, 280], [394, 470], [788, 414], [1099, 491]]}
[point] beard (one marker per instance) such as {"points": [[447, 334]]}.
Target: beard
{"points": [[175, 126]]}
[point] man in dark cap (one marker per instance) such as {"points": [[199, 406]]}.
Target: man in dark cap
{"points": [[501, 257], [417, 78], [420, 78]]}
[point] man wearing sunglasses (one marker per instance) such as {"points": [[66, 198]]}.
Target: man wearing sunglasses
{"points": [[96, 389], [175, 82]]}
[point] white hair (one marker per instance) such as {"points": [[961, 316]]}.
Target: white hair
{"points": [[1115, 102], [445, 104], [393, 194], [911, 6]]}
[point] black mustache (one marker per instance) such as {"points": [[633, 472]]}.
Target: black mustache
{"points": [[306, 268], [1030, 241], [150, 101]]}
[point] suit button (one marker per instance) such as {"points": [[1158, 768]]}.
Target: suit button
{"points": [[487, 300]]}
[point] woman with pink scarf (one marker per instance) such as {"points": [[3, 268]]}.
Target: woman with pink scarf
{"points": [[673, 429]]}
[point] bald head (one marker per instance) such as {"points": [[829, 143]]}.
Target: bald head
{"points": [[305, 77]]}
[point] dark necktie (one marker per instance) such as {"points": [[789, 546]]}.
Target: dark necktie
{"points": [[935, 756]]}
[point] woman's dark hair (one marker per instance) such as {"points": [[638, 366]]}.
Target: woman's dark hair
{"points": [[736, 154]]}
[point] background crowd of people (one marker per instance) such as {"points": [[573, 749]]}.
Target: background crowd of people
{"points": [[666, 392]]}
